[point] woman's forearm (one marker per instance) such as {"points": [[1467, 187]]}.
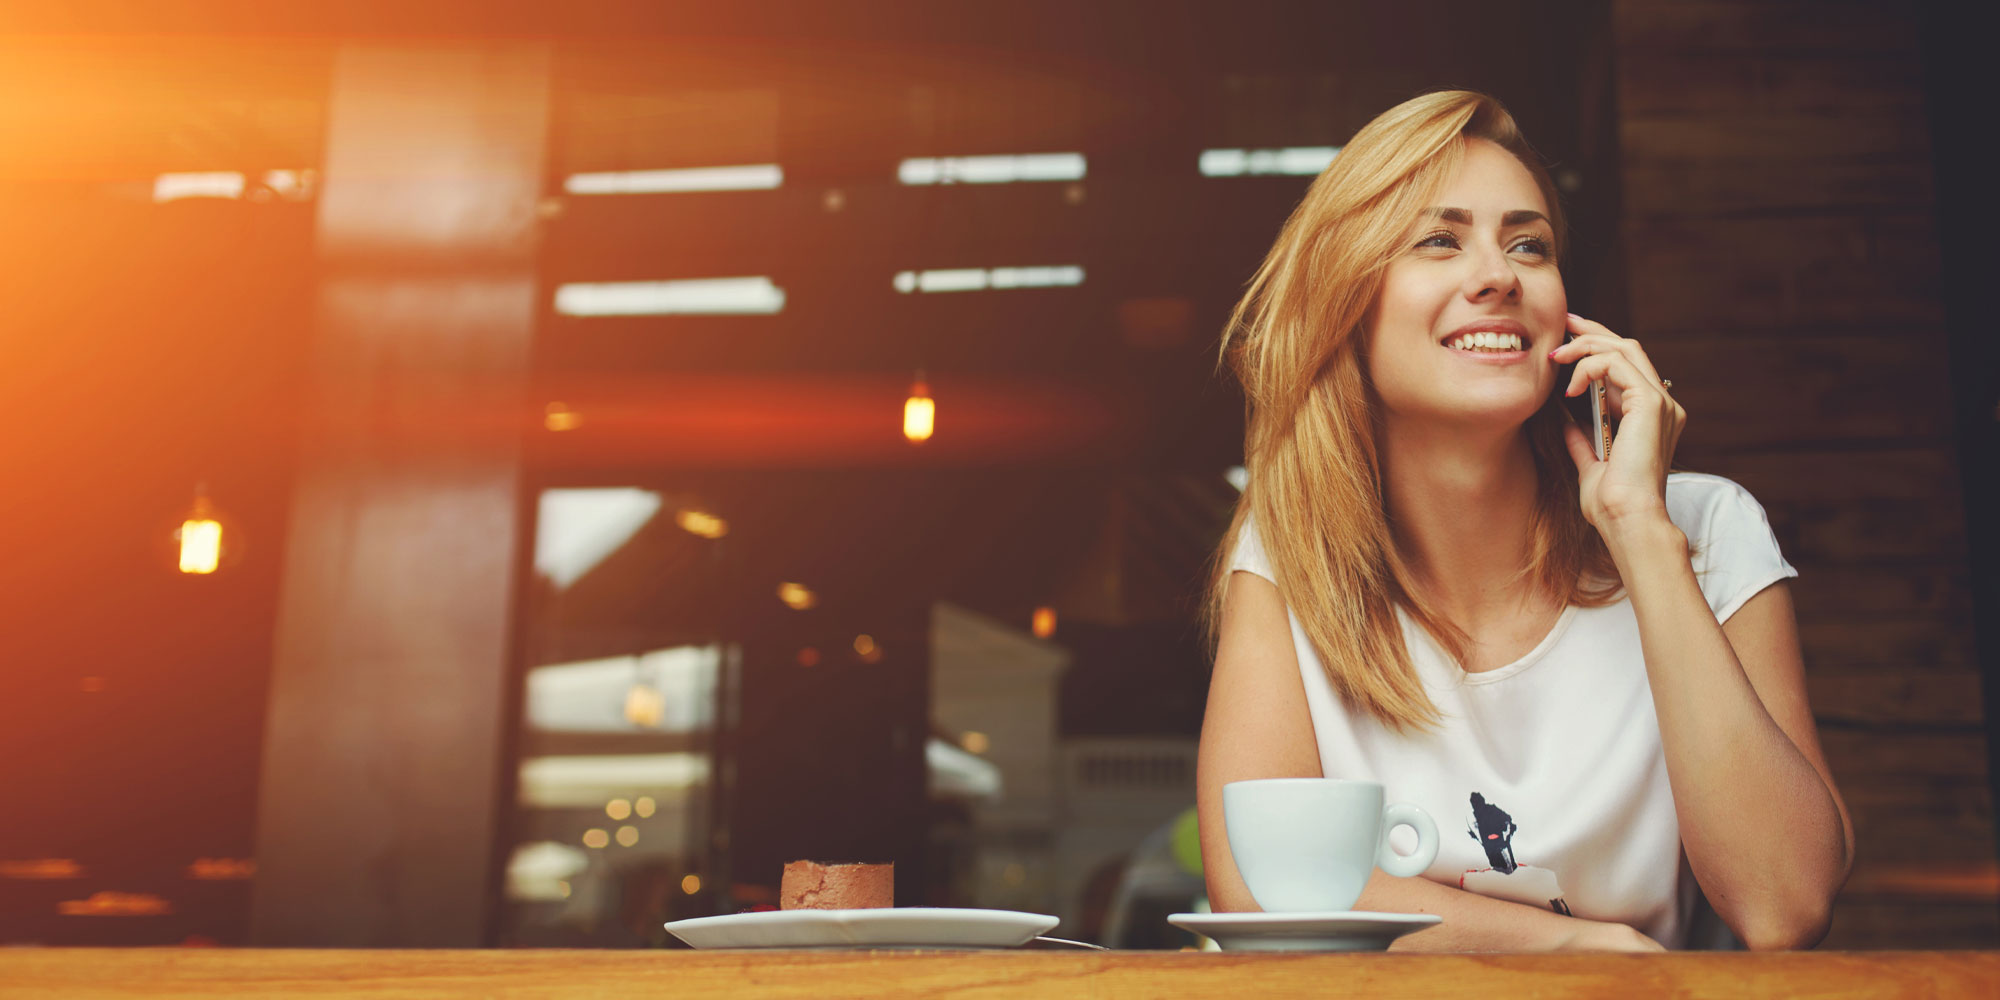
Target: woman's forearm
{"points": [[1473, 922], [1760, 826]]}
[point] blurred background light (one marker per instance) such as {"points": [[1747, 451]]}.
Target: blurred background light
{"points": [[992, 169], [217, 184], [701, 523], [698, 297], [981, 279], [1292, 160], [559, 417], [760, 176], [201, 536], [1044, 622], [586, 781], [919, 413], [797, 596], [41, 868]]}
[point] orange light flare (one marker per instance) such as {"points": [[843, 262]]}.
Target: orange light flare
{"points": [[37, 869], [820, 421], [106, 903]]}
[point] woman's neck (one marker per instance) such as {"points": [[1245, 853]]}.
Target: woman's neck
{"points": [[1459, 505]]}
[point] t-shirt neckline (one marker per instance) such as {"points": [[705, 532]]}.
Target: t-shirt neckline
{"points": [[1501, 673]]}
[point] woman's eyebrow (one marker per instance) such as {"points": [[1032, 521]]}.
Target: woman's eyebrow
{"points": [[1463, 217]]}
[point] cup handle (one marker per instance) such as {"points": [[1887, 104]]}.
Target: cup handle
{"points": [[1413, 864]]}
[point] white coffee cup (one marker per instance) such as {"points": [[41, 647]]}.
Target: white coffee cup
{"points": [[1309, 844]]}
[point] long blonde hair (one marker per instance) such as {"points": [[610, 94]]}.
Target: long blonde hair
{"points": [[1315, 489]]}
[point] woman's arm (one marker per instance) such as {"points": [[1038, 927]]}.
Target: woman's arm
{"points": [[1764, 828], [1473, 922], [1257, 726], [1766, 832]]}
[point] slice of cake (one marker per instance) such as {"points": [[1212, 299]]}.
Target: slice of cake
{"points": [[809, 885]]}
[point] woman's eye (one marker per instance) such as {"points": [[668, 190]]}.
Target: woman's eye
{"points": [[1446, 240], [1537, 245]]}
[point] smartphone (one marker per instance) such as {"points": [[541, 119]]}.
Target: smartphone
{"points": [[1588, 409]]}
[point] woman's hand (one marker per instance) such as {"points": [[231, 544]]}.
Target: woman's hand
{"points": [[1631, 487], [1596, 936]]}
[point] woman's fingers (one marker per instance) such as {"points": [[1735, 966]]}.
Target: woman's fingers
{"points": [[1615, 369], [1603, 337], [1578, 443], [1601, 343]]}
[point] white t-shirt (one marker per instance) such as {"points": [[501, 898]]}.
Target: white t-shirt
{"points": [[1546, 776]]}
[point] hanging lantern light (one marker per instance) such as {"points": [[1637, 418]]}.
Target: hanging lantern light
{"points": [[205, 536], [919, 412]]}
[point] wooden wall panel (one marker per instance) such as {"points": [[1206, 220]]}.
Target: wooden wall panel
{"points": [[1784, 269]]}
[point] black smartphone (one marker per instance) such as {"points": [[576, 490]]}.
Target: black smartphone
{"points": [[1588, 408]]}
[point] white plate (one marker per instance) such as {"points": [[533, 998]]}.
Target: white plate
{"points": [[1345, 931], [883, 927]]}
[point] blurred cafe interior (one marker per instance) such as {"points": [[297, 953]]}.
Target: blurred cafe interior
{"points": [[514, 477]]}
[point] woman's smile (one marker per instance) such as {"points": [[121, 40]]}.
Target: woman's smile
{"points": [[1491, 341]]}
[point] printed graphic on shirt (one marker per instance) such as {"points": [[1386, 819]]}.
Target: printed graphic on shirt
{"points": [[1507, 879]]}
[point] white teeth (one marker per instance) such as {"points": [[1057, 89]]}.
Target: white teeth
{"points": [[1488, 341]]}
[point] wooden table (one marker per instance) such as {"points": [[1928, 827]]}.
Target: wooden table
{"points": [[202, 972]]}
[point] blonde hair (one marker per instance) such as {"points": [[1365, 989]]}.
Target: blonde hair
{"points": [[1315, 490]]}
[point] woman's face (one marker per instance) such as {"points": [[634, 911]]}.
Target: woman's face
{"points": [[1469, 312]]}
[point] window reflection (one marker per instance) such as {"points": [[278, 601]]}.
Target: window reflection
{"points": [[617, 765]]}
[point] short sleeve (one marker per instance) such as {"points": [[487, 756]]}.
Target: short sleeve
{"points": [[1249, 554], [1735, 552]]}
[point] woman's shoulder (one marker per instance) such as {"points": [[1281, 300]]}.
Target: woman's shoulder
{"points": [[1699, 502], [1249, 554], [1733, 547]]}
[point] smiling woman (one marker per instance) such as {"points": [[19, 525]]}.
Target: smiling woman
{"points": [[1432, 581]]}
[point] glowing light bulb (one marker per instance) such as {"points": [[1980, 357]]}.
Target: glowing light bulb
{"points": [[919, 412], [701, 523], [201, 545], [201, 536], [1044, 622], [559, 417], [797, 596]]}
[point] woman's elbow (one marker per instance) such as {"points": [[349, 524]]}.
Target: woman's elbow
{"points": [[1793, 928]]}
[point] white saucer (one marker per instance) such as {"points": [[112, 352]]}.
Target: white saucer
{"points": [[883, 927], [1343, 931]]}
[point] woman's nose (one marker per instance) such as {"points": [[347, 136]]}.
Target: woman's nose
{"points": [[1492, 277]]}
